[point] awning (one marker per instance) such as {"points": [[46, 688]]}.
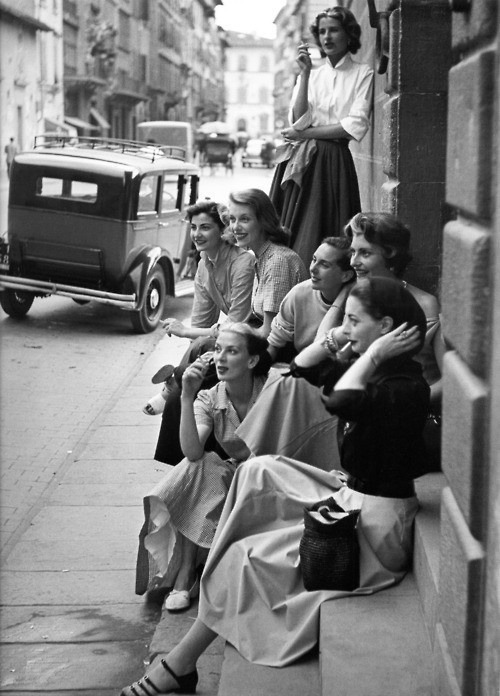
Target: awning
{"points": [[99, 119], [78, 123], [53, 126]]}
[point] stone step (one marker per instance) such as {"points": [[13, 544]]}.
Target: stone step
{"points": [[376, 645], [426, 546], [241, 678]]}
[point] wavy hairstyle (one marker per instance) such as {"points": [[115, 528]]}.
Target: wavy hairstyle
{"points": [[387, 232], [348, 23], [256, 345], [342, 244], [387, 297], [265, 212], [210, 208]]}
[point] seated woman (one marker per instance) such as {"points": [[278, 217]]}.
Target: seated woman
{"points": [[306, 430], [253, 225], [304, 306], [223, 281], [252, 593], [183, 509], [380, 245]]}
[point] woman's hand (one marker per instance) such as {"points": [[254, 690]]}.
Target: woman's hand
{"points": [[194, 375], [304, 58], [174, 327], [396, 342], [290, 135]]}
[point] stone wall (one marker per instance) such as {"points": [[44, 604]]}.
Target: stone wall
{"points": [[467, 647]]}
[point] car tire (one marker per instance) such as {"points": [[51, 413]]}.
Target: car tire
{"points": [[16, 303], [148, 317]]}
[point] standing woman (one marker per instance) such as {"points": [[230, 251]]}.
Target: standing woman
{"points": [[315, 186]]}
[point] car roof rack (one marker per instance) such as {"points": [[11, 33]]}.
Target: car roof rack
{"points": [[150, 151]]}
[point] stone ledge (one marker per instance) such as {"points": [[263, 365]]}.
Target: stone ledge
{"points": [[376, 645], [242, 678]]}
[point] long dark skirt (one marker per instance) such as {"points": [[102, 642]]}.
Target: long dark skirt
{"points": [[327, 198]]}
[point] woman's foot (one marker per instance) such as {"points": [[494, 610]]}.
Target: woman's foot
{"points": [[180, 600], [161, 679]]}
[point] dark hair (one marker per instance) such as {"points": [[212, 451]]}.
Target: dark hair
{"points": [[342, 244], [387, 297], [208, 208], [389, 233], [265, 213], [256, 345], [348, 23]]}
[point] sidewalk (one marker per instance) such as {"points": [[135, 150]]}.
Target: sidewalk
{"points": [[70, 621]]}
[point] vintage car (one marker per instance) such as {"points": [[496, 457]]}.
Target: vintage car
{"points": [[96, 219], [258, 151]]}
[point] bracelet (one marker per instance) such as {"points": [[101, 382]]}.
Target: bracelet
{"points": [[330, 343]]}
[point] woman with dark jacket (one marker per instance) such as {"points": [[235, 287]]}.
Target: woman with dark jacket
{"points": [[252, 591]]}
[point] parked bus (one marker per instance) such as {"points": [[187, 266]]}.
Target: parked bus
{"points": [[178, 133]]}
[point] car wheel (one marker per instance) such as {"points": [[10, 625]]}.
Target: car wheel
{"points": [[80, 302], [148, 317], [16, 303]]}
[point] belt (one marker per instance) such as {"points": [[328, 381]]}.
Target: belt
{"points": [[383, 489]]}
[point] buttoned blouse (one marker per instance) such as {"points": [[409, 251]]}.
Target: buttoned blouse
{"points": [[277, 270], [214, 408], [338, 95], [223, 285]]}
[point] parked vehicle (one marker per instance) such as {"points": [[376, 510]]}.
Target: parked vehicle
{"points": [[217, 149], [178, 133], [96, 219], [258, 152]]}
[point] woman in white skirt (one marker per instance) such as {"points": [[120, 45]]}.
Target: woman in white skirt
{"points": [[252, 592], [183, 510]]}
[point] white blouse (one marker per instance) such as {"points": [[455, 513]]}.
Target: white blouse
{"points": [[338, 95]]}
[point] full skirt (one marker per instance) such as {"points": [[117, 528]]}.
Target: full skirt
{"points": [[188, 500], [328, 196], [252, 593]]}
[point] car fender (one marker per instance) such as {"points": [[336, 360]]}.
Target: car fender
{"points": [[143, 264]]}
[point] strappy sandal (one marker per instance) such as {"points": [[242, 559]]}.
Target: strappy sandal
{"points": [[146, 687]]}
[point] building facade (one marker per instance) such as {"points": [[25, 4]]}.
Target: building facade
{"points": [[249, 80], [31, 84], [126, 61], [97, 67]]}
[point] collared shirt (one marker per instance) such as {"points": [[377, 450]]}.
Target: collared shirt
{"points": [[214, 408], [223, 285], [277, 269], [338, 95]]}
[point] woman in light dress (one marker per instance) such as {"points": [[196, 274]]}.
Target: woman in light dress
{"points": [[183, 509]]}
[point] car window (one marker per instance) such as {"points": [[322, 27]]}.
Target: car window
{"points": [[169, 193], [70, 189], [148, 193]]}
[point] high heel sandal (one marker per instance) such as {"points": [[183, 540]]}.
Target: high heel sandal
{"points": [[146, 687]]}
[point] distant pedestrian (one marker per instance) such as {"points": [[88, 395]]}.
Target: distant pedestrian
{"points": [[315, 186], [10, 153]]}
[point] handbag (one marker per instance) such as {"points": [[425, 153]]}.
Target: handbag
{"points": [[329, 548]]}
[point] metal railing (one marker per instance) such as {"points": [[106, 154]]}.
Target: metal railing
{"points": [[151, 151]]}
